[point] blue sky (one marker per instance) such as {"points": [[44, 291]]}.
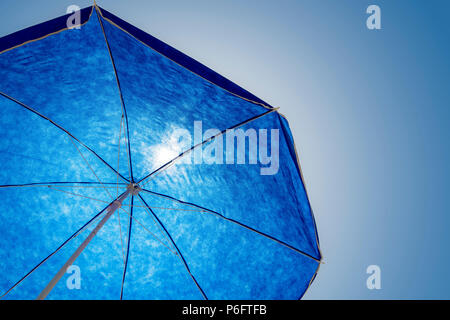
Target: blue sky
{"points": [[369, 111]]}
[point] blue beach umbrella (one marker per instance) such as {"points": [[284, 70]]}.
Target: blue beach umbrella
{"points": [[129, 170]]}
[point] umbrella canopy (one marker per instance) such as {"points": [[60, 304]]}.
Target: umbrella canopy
{"points": [[107, 126]]}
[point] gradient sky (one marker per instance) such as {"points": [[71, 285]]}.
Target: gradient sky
{"points": [[369, 111]]}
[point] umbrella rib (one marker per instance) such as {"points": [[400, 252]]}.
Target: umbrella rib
{"points": [[124, 110], [219, 215], [146, 229], [121, 238], [74, 235], [66, 186], [76, 194], [90, 167], [154, 221], [178, 250], [168, 164], [62, 184], [61, 128], [130, 223], [52, 187]]}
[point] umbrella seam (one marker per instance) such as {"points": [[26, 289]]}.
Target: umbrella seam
{"points": [[62, 129], [215, 84], [154, 221], [130, 224], [238, 223], [124, 110], [180, 254], [306, 191]]}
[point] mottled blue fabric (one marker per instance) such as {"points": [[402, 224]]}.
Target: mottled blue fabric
{"points": [[224, 231], [161, 97], [181, 58], [68, 77], [40, 30], [237, 190]]}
